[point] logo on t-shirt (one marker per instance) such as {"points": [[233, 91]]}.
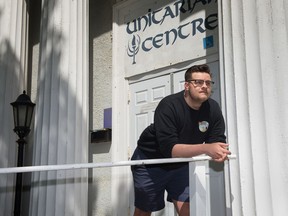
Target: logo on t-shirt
{"points": [[203, 126]]}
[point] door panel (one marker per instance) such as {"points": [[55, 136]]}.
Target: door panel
{"points": [[144, 98]]}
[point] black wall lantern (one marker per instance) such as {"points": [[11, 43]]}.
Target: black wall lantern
{"points": [[23, 113]]}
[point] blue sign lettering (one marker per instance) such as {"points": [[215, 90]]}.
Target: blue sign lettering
{"points": [[158, 17], [181, 6]]}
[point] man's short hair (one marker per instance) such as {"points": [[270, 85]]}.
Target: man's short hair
{"points": [[197, 68]]}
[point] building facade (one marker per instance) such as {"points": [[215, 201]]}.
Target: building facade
{"points": [[95, 67]]}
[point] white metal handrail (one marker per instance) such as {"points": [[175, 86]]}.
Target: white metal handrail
{"points": [[102, 165], [198, 178]]}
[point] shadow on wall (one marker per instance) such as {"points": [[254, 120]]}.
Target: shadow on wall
{"points": [[100, 60], [11, 86], [10, 74]]}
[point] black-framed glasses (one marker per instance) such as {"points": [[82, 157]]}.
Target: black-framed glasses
{"points": [[200, 83]]}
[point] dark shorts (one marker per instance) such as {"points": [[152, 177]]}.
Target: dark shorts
{"points": [[150, 183]]}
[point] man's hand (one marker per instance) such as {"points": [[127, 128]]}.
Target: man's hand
{"points": [[217, 151]]}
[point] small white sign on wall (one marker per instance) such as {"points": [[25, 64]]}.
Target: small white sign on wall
{"points": [[153, 34]]}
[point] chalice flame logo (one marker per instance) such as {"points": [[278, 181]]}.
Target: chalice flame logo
{"points": [[133, 47]]}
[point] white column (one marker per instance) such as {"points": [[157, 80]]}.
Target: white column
{"points": [[255, 53], [61, 130], [13, 75]]}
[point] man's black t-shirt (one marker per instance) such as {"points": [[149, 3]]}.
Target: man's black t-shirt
{"points": [[176, 123]]}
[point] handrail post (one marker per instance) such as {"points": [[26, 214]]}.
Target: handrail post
{"points": [[199, 189]]}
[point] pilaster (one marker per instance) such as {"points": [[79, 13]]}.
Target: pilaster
{"points": [[61, 130], [13, 76], [255, 42]]}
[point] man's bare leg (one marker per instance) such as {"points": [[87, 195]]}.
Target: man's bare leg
{"points": [[182, 208], [139, 212]]}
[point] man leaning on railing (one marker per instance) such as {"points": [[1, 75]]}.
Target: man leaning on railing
{"points": [[186, 124]]}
